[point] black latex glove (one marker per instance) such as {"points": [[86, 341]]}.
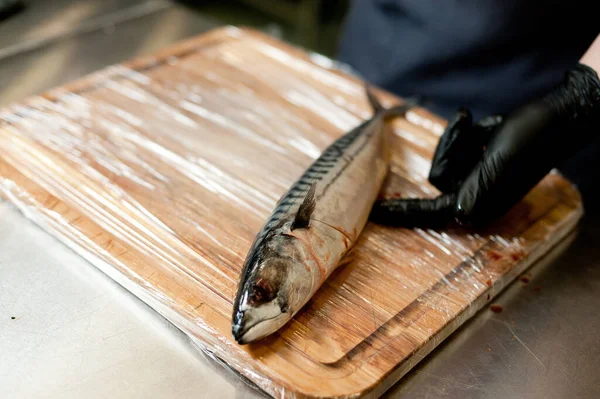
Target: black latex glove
{"points": [[484, 169]]}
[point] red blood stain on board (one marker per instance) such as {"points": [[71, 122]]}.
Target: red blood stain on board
{"points": [[517, 256], [496, 308], [493, 255], [537, 289], [525, 278], [488, 297], [489, 282]]}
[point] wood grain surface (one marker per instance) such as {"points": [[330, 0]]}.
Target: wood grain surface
{"points": [[161, 171]]}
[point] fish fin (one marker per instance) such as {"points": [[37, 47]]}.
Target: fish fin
{"points": [[375, 104], [302, 218], [348, 257]]}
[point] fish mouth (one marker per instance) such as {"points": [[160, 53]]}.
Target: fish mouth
{"points": [[242, 334], [245, 333]]}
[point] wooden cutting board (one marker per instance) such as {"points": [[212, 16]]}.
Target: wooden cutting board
{"points": [[161, 171]]}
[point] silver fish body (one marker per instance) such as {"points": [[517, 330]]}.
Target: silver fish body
{"points": [[313, 226]]}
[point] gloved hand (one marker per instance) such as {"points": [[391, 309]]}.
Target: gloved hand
{"points": [[484, 169]]}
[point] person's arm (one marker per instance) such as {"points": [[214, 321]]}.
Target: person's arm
{"points": [[591, 57], [484, 169]]}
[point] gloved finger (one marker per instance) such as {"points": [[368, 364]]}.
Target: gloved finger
{"points": [[426, 212], [442, 173], [489, 124], [459, 149]]}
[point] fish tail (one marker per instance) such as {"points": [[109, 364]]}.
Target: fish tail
{"points": [[375, 104], [398, 110]]}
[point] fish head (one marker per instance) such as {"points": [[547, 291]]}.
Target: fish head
{"points": [[277, 283]]}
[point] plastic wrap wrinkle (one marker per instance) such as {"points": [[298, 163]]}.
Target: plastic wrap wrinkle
{"points": [[161, 173]]}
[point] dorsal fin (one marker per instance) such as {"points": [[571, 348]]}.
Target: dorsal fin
{"points": [[302, 218]]}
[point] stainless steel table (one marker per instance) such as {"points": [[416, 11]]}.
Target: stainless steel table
{"points": [[68, 331]]}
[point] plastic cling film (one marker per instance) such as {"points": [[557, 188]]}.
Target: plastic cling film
{"points": [[162, 171]]}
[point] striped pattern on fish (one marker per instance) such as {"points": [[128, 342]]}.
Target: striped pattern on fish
{"points": [[320, 170]]}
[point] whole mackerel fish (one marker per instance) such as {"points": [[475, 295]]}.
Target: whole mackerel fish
{"points": [[313, 226]]}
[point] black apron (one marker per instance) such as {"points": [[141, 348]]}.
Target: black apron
{"points": [[488, 55]]}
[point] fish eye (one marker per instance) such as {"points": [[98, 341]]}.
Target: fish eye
{"points": [[258, 294], [261, 292]]}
